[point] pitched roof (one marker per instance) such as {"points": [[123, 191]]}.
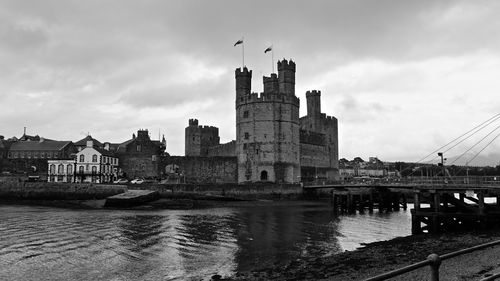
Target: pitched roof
{"points": [[123, 146], [83, 142], [105, 152], [102, 151], [43, 145]]}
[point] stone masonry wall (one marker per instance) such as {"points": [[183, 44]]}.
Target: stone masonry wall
{"points": [[204, 169]]}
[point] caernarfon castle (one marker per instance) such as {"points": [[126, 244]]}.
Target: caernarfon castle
{"points": [[273, 144]]}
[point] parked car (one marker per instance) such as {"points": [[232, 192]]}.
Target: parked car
{"points": [[136, 181], [120, 181]]}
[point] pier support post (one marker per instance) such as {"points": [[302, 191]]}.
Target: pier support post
{"points": [[370, 202]]}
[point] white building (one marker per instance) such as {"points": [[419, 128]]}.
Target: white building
{"points": [[61, 170], [97, 165]]}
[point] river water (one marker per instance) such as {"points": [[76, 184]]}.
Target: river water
{"points": [[44, 243]]}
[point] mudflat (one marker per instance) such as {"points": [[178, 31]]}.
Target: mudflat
{"points": [[380, 257]]}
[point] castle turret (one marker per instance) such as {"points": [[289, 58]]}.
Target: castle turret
{"points": [[243, 82], [271, 84], [199, 138], [286, 77], [313, 103]]}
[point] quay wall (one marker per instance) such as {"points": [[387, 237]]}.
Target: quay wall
{"points": [[241, 191], [57, 191]]}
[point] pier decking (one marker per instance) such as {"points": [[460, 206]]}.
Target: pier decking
{"points": [[440, 204]]}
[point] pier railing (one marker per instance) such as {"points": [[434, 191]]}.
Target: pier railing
{"points": [[457, 181], [434, 262]]}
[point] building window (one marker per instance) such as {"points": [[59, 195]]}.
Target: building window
{"points": [[244, 146], [52, 169], [94, 170], [94, 158], [247, 135], [60, 169], [139, 148], [82, 158], [69, 169], [10, 154], [80, 169], [42, 155], [245, 114]]}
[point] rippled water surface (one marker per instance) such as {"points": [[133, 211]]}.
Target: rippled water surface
{"points": [[41, 243]]}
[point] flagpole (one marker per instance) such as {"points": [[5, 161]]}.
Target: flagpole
{"points": [[272, 57]]}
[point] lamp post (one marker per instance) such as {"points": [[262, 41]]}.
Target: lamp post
{"points": [[443, 169]]}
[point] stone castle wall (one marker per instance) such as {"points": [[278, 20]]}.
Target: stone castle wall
{"points": [[203, 169], [224, 150]]}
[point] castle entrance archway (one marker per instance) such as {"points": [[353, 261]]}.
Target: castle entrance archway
{"points": [[263, 175]]}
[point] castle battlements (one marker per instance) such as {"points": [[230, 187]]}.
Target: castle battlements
{"points": [[313, 93], [268, 97], [286, 65], [244, 72]]}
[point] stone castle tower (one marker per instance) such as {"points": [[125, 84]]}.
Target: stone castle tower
{"points": [[198, 139], [319, 141], [267, 127]]}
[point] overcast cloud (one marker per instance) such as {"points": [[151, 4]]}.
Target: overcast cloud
{"points": [[402, 77]]}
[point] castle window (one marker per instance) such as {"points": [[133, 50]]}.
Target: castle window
{"points": [[94, 169], [247, 135], [81, 169], [82, 158], [94, 158], [245, 114]]}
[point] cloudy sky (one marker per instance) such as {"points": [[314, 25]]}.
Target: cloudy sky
{"points": [[402, 77]]}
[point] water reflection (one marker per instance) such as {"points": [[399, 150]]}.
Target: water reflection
{"points": [[55, 244]]}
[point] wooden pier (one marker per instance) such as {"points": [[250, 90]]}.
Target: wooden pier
{"points": [[448, 208], [440, 204]]}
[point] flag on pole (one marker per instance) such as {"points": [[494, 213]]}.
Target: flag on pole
{"points": [[238, 42], [268, 49]]}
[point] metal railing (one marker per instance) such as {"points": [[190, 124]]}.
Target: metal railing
{"points": [[458, 181], [434, 261]]}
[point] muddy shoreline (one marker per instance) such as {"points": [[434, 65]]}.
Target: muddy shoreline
{"points": [[374, 258]]}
